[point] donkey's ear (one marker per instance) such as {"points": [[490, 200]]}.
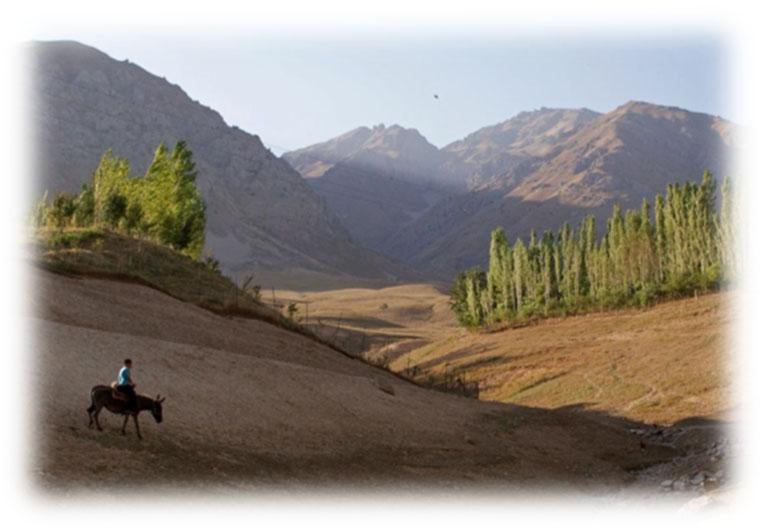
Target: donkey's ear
{"points": [[157, 398], [161, 400]]}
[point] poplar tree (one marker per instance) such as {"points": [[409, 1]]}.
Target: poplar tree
{"points": [[683, 246], [164, 205]]}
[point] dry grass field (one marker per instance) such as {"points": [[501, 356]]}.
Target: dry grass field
{"points": [[369, 321], [662, 364]]}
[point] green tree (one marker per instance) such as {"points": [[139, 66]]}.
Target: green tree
{"points": [[497, 268], [109, 181], [61, 212], [133, 217], [685, 246], [114, 209], [84, 214]]}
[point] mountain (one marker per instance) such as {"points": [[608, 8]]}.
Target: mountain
{"points": [[376, 180], [262, 216], [536, 170], [543, 168]]}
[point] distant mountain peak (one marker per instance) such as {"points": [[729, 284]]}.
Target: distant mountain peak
{"points": [[389, 150]]}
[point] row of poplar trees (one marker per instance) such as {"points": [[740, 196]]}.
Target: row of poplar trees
{"points": [[164, 205], [683, 246]]}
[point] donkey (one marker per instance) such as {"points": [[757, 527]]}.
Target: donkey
{"points": [[101, 396]]}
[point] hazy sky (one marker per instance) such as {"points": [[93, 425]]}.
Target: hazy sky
{"points": [[294, 90]]}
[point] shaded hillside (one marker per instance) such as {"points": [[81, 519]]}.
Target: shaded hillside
{"points": [[262, 217], [373, 205], [454, 234]]}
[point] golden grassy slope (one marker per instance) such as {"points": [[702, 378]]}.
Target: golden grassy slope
{"points": [[662, 364], [657, 365]]}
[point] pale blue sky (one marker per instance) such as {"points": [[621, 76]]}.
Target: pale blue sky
{"points": [[294, 90]]}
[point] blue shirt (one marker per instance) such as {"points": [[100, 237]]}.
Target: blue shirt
{"points": [[124, 376]]}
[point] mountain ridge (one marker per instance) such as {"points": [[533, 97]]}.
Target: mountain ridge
{"points": [[262, 217]]}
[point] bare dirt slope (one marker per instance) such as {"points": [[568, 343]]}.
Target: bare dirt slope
{"points": [[249, 404]]}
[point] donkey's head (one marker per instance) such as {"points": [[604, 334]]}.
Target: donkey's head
{"points": [[156, 409]]}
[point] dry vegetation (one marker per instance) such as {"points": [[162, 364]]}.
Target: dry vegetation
{"points": [[374, 322], [662, 364], [103, 254]]}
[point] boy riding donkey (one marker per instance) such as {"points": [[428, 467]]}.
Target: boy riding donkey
{"points": [[102, 396]]}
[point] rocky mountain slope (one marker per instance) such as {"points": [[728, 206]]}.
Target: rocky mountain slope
{"points": [[377, 180], [501, 155], [536, 170], [543, 168], [262, 217]]}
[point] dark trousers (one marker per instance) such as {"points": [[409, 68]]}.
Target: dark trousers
{"points": [[132, 398]]}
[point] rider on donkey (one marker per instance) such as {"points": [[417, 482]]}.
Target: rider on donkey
{"points": [[126, 385]]}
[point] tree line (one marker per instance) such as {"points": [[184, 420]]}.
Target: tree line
{"points": [[681, 245], [164, 205]]}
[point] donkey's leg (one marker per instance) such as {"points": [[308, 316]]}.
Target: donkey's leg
{"points": [[124, 423], [91, 408], [137, 429], [95, 417]]}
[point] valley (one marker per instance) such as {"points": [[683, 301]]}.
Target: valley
{"points": [[300, 323], [252, 406], [256, 403]]}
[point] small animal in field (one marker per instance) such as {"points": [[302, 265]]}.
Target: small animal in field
{"points": [[102, 396]]}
